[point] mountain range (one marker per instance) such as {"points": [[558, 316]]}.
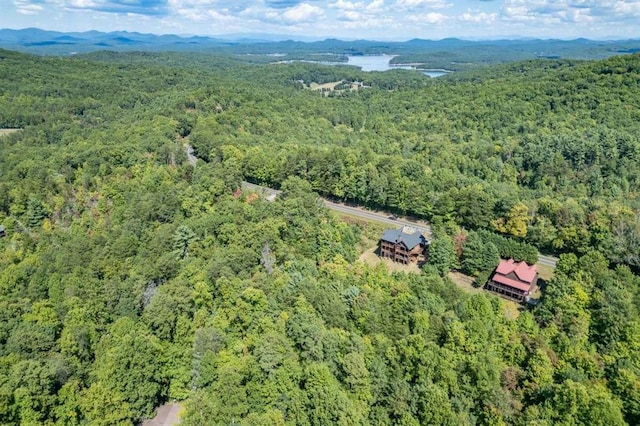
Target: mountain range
{"points": [[43, 42]]}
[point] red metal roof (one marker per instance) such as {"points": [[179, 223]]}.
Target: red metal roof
{"points": [[511, 282], [524, 272]]}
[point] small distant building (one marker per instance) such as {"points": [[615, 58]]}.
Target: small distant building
{"points": [[513, 280], [403, 245]]}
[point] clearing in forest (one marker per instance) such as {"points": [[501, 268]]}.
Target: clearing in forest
{"points": [[325, 86], [545, 272], [336, 86], [166, 415], [370, 257], [466, 283], [8, 131]]}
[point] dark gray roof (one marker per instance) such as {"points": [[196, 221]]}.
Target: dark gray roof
{"points": [[409, 240]]}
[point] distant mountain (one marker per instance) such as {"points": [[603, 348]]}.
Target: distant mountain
{"points": [[39, 41], [450, 53], [70, 39], [263, 38], [35, 40]]}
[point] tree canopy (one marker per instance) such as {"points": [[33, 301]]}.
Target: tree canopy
{"points": [[129, 277]]}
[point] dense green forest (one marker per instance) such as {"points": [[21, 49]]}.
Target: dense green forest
{"points": [[129, 278]]}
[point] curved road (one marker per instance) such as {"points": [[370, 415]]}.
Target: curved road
{"points": [[380, 217]]}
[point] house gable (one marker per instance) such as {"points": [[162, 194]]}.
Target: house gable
{"points": [[402, 245], [513, 280]]}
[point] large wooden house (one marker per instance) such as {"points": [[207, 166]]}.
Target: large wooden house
{"points": [[402, 245], [513, 280]]}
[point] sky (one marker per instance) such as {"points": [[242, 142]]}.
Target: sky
{"points": [[367, 19]]}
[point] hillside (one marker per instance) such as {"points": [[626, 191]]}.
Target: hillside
{"points": [[449, 53], [129, 278]]}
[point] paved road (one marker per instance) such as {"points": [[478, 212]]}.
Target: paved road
{"points": [[380, 217], [547, 260], [355, 211], [258, 188]]}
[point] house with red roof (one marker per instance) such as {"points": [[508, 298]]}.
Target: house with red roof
{"points": [[513, 280]]}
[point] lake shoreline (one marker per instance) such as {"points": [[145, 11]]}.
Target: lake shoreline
{"points": [[368, 63], [380, 63]]}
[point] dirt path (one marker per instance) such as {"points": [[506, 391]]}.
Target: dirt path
{"points": [[188, 149], [166, 415], [8, 131], [192, 158]]}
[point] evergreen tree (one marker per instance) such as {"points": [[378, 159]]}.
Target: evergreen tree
{"points": [[478, 256], [182, 237], [442, 254], [35, 213]]}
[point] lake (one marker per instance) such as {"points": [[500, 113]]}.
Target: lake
{"points": [[381, 63]]}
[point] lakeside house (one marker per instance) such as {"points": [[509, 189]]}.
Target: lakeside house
{"points": [[513, 280], [404, 245]]}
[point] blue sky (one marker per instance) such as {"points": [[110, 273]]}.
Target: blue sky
{"points": [[346, 19]]}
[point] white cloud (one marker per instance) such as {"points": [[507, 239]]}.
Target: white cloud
{"points": [[81, 4], [298, 14], [522, 11], [418, 4], [398, 19], [202, 10], [582, 3], [350, 15], [303, 12], [478, 17], [370, 23], [627, 8], [428, 18], [578, 16], [563, 12], [359, 15], [375, 5], [347, 5], [183, 4], [23, 7]]}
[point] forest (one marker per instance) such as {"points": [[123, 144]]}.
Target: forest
{"points": [[129, 277]]}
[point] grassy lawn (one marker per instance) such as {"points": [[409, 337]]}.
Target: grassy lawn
{"points": [[325, 86], [371, 230], [465, 282], [357, 220], [371, 258], [545, 272], [368, 245]]}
